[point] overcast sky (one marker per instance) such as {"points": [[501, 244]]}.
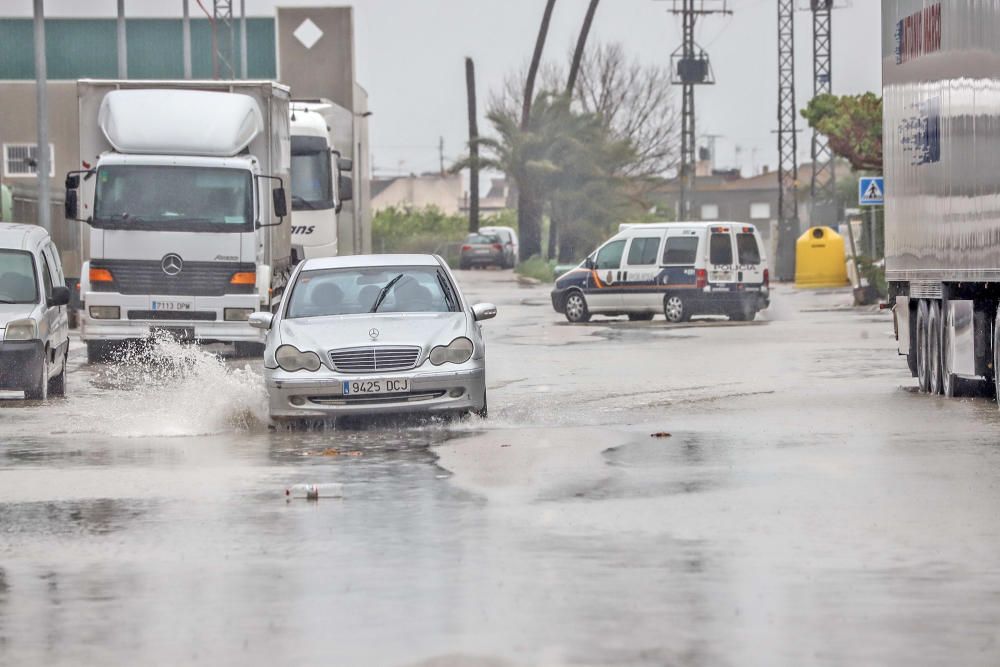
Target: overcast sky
{"points": [[411, 60]]}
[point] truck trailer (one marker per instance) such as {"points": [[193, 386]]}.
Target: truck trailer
{"points": [[941, 144], [181, 186]]}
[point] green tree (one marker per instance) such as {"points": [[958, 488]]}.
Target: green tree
{"points": [[853, 125]]}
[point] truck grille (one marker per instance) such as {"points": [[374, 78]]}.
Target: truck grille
{"points": [[194, 279], [374, 359]]}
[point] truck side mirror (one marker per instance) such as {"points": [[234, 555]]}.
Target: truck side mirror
{"points": [[346, 186], [280, 205], [60, 297], [71, 205], [72, 181], [345, 163]]}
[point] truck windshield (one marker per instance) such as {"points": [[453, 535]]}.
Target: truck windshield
{"points": [[174, 198], [312, 185], [17, 277]]}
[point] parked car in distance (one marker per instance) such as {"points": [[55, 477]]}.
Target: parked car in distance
{"points": [[374, 335], [481, 250], [679, 269], [508, 237], [34, 327]]}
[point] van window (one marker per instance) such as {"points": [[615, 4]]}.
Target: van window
{"points": [[720, 249], [746, 245], [643, 251], [680, 250], [610, 256], [46, 277]]}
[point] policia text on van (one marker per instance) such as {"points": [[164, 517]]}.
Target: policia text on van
{"points": [[680, 269]]}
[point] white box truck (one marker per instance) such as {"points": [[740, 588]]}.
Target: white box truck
{"points": [[181, 188], [941, 143], [320, 181]]}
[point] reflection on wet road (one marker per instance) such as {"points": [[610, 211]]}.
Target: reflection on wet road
{"points": [[806, 508]]}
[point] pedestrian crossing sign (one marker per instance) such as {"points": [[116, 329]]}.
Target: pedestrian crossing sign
{"points": [[871, 191]]}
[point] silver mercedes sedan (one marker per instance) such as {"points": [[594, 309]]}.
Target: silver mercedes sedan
{"points": [[374, 335]]}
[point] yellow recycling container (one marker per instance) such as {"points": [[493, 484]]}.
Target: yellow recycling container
{"points": [[820, 260]]}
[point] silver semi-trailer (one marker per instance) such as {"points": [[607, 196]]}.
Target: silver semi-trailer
{"points": [[941, 80]]}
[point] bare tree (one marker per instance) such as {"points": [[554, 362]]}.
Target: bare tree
{"points": [[636, 102]]}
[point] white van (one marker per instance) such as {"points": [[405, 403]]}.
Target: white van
{"points": [[34, 328], [508, 239], [679, 269]]}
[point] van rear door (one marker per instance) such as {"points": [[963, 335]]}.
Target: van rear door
{"points": [[721, 267], [750, 265]]}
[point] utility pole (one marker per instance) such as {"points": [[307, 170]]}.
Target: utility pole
{"points": [[470, 86], [691, 67], [122, 46], [823, 188], [187, 40], [711, 138], [243, 39], [441, 155], [788, 165], [42, 120]]}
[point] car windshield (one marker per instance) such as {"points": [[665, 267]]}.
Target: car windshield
{"points": [[326, 292], [174, 198], [312, 186], [18, 283]]}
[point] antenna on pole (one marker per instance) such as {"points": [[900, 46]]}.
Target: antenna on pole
{"points": [[223, 27], [691, 67]]}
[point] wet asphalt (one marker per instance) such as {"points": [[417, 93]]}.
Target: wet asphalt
{"points": [[808, 507]]}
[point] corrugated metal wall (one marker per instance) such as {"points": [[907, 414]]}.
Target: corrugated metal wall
{"points": [[86, 48]]}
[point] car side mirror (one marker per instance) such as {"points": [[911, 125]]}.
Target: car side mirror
{"points": [[345, 163], [262, 320], [346, 186], [589, 264], [280, 205], [60, 297], [71, 206], [484, 311]]}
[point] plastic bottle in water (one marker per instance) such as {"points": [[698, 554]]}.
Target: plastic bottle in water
{"points": [[315, 491]]}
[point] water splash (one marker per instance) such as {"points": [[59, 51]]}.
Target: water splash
{"points": [[166, 388]]}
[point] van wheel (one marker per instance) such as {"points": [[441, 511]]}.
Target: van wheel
{"points": [[675, 309], [934, 347], [57, 385], [923, 367], [39, 391], [576, 308], [640, 317]]}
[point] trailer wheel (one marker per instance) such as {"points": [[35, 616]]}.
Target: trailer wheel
{"points": [[934, 347], [923, 367], [950, 382]]}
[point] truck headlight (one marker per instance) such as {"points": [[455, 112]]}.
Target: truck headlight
{"points": [[105, 312], [237, 314], [21, 330], [457, 351], [291, 359]]}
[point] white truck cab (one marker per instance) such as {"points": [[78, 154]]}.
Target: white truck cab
{"points": [[319, 184], [182, 187]]}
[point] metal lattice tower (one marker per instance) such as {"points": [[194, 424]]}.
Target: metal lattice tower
{"points": [[224, 34], [788, 166], [823, 188], [691, 67]]}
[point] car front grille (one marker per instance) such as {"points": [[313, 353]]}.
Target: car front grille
{"points": [[374, 359], [194, 279]]}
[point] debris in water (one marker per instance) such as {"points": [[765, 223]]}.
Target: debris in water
{"points": [[314, 491], [660, 434], [330, 451]]}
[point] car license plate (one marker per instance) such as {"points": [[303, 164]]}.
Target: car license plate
{"points": [[482, 251], [383, 386], [172, 305]]}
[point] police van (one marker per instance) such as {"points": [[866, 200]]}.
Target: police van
{"points": [[680, 269]]}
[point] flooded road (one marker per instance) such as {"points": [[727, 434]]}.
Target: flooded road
{"points": [[807, 508]]}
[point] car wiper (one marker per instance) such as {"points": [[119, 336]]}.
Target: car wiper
{"points": [[448, 296], [2, 300], [385, 292], [298, 199]]}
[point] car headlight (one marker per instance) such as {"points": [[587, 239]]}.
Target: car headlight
{"points": [[21, 330], [457, 351], [291, 359]]}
